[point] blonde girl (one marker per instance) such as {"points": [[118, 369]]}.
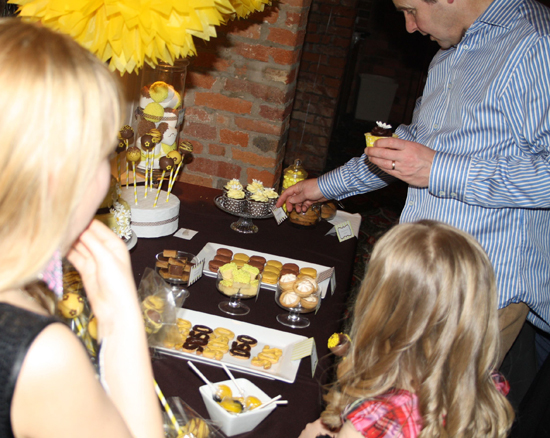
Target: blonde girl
{"points": [[61, 111], [425, 343]]}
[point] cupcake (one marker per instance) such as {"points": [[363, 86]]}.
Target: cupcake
{"points": [[379, 131], [254, 187], [258, 204], [233, 184], [234, 201], [272, 197]]}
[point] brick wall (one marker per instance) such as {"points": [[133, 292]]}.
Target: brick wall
{"points": [[239, 95], [329, 30]]}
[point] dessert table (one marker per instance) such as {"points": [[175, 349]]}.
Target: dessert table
{"points": [[199, 213]]}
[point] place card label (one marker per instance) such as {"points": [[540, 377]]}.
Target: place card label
{"points": [[279, 215], [314, 358], [306, 348], [302, 349], [344, 231], [196, 272], [184, 233]]}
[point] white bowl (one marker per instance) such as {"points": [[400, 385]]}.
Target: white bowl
{"points": [[233, 424]]}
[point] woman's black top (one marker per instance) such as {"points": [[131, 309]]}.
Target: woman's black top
{"points": [[18, 329]]}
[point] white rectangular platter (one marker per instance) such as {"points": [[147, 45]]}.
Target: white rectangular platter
{"points": [[284, 370], [208, 252]]}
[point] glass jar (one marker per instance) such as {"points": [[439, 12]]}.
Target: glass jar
{"points": [[306, 219], [293, 174], [160, 111]]}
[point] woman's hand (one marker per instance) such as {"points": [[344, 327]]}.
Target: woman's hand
{"points": [[103, 262]]}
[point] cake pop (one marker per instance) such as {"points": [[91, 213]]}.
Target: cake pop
{"points": [[156, 135], [148, 145], [176, 156], [184, 148], [71, 305], [153, 112], [133, 154], [158, 91], [125, 134]]}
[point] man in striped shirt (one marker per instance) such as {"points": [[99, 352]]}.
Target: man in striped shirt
{"points": [[476, 154]]}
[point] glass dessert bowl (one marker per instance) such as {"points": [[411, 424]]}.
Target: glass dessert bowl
{"points": [[237, 284], [297, 295]]}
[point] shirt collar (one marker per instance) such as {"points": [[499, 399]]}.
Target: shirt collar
{"points": [[499, 13]]}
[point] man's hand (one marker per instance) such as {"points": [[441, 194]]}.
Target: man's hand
{"points": [[413, 161], [301, 195]]}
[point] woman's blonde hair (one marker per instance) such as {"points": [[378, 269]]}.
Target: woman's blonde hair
{"points": [[61, 111], [426, 320]]}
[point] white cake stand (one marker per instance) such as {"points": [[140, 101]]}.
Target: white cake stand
{"points": [[244, 224]]}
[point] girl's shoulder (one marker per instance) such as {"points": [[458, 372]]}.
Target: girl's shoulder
{"points": [[390, 415]]}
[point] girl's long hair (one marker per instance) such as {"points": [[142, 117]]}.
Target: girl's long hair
{"points": [[61, 111], [426, 320]]}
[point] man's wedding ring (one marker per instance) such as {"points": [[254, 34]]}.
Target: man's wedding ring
{"points": [[393, 165]]}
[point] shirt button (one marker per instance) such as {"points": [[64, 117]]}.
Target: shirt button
{"points": [[449, 86], [411, 203], [453, 195], [441, 193], [435, 127], [466, 46]]}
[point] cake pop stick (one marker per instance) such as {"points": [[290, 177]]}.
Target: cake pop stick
{"points": [[126, 133], [184, 148], [134, 155], [119, 149], [176, 156], [165, 164], [147, 144], [156, 137]]}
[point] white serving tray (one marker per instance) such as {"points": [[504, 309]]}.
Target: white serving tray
{"points": [[285, 370], [324, 273]]}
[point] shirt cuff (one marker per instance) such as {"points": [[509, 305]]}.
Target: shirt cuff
{"points": [[449, 176], [332, 184]]}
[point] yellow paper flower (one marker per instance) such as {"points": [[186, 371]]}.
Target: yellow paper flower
{"points": [[129, 33]]}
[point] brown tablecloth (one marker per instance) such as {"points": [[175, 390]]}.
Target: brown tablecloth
{"points": [[198, 212]]}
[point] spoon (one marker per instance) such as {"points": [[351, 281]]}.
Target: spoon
{"points": [[214, 390]]}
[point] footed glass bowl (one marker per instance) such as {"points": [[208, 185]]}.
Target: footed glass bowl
{"points": [[296, 304], [237, 291]]}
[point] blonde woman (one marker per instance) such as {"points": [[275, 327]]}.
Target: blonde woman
{"points": [[425, 343], [61, 111]]}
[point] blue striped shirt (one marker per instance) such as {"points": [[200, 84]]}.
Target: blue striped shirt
{"points": [[485, 110]]}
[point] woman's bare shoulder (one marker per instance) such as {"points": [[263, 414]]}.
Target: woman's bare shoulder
{"points": [[58, 388]]}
